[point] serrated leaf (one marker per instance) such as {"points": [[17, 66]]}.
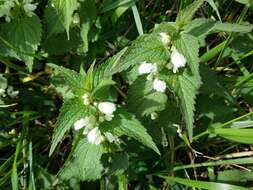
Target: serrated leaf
{"points": [[72, 110], [52, 21], [185, 85], [184, 16], [65, 10], [148, 47], [24, 35], [143, 100], [125, 123], [85, 164], [107, 69], [72, 79]]}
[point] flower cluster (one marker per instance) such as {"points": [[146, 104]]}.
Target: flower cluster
{"points": [[90, 124], [152, 70], [7, 5], [176, 59]]}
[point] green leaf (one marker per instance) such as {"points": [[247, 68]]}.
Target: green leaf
{"points": [[72, 110], [184, 16], [147, 47], [88, 13], [109, 4], [125, 123], [65, 10], [107, 69], [203, 184], [14, 173], [71, 78], [85, 164], [59, 44], [185, 85], [233, 27], [201, 27], [234, 134], [52, 21], [24, 35], [235, 175], [143, 100]]}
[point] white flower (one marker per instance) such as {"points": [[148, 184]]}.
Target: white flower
{"points": [[94, 136], [159, 85], [153, 116], [146, 68], [177, 59], [83, 122], [85, 98], [165, 38], [2, 92], [107, 107]]}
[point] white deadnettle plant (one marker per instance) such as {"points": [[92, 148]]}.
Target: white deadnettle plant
{"points": [[146, 68], [91, 124], [177, 59], [151, 69], [159, 85], [165, 38], [29, 7], [95, 136], [86, 100], [107, 108]]}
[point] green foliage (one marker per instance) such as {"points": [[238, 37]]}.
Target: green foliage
{"points": [[108, 107], [143, 100], [125, 123], [23, 36], [85, 164], [65, 10], [203, 184], [71, 111]]}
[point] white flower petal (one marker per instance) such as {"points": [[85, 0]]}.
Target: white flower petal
{"points": [[159, 85], [107, 107], [177, 59], [81, 123], [94, 136], [146, 68], [86, 100], [165, 38]]}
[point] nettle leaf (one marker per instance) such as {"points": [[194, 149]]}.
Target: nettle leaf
{"points": [[73, 79], [52, 21], [184, 16], [185, 85], [24, 36], [143, 100], [88, 13], [125, 123], [85, 164], [65, 10], [72, 110], [147, 47], [107, 69]]}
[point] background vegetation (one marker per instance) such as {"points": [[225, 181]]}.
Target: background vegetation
{"points": [[202, 136]]}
